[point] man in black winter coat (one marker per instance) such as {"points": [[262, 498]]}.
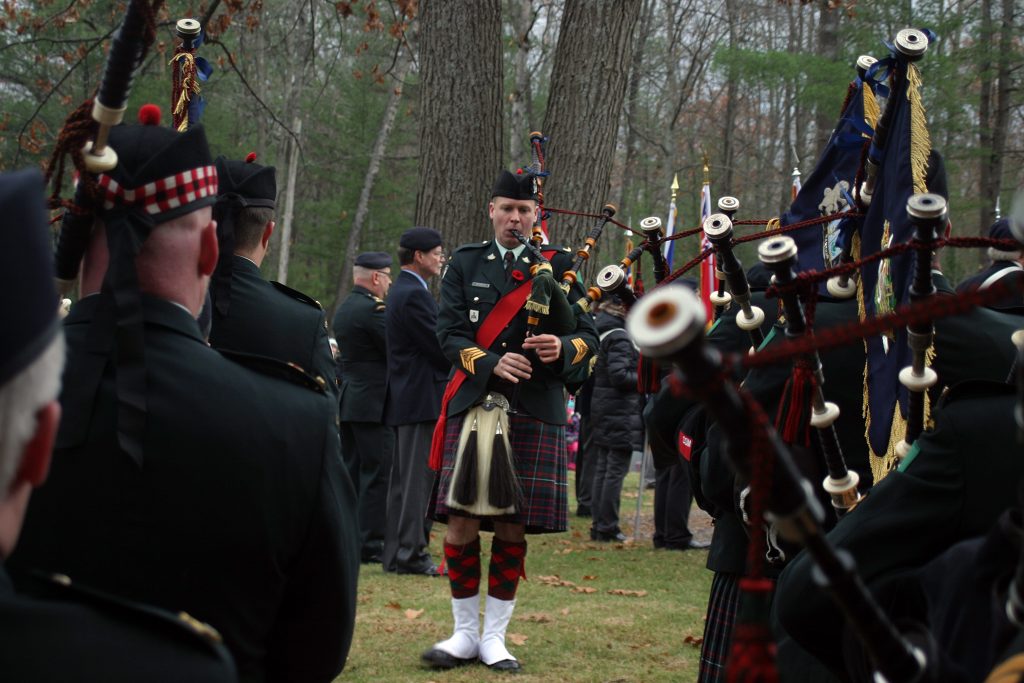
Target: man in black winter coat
{"points": [[616, 420]]}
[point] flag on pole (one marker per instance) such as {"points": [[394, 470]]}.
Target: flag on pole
{"points": [[907, 167], [708, 282], [830, 185], [673, 213]]}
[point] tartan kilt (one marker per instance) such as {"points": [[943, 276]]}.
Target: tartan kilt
{"points": [[721, 617], [541, 462]]}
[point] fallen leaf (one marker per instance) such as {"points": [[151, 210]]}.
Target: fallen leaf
{"points": [[565, 611], [413, 613], [629, 594], [695, 641], [589, 577], [517, 638], [584, 589], [393, 605], [538, 617]]}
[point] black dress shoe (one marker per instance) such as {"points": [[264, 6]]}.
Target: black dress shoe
{"points": [[617, 537], [694, 544], [506, 665], [439, 659]]}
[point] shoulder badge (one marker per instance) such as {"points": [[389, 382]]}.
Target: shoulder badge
{"points": [[379, 304], [296, 294], [200, 628], [62, 586], [272, 367]]}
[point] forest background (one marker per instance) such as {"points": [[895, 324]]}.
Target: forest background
{"points": [[383, 114]]}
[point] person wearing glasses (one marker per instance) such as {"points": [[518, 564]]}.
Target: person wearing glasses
{"points": [[366, 442]]}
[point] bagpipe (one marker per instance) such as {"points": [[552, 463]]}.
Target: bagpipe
{"points": [[84, 138], [668, 324]]}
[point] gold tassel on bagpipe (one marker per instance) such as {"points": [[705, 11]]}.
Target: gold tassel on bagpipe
{"points": [[484, 478]]}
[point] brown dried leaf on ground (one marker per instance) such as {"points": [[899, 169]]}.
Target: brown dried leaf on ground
{"points": [[589, 577], [538, 618], [517, 638], [393, 605], [584, 589], [628, 594], [413, 613], [695, 641]]}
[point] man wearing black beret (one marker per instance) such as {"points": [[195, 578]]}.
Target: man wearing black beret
{"points": [[366, 442], [482, 329], [417, 372], [1004, 265], [250, 314], [190, 479], [63, 629]]}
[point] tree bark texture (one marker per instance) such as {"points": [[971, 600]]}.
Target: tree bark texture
{"points": [[588, 87], [460, 110]]}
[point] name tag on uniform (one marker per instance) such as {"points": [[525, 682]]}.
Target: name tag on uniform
{"points": [[474, 316], [481, 284]]}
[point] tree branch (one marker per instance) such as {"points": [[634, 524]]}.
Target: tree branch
{"points": [[241, 77]]}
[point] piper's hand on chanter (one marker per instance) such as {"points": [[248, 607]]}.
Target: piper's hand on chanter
{"points": [[547, 346], [513, 367]]}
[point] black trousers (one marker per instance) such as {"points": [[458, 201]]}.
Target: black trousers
{"points": [[408, 527], [367, 449], [609, 472], [585, 456], [672, 499]]}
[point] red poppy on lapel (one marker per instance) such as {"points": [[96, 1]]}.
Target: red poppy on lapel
{"points": [[517, 275]]}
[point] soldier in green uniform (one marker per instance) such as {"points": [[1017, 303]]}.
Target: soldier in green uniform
{"points": [[60, 631], [250, 314], [366, 442], [485, 339], [181, 476]]}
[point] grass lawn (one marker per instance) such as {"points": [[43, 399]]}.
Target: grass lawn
{"points": [[593, 612]]}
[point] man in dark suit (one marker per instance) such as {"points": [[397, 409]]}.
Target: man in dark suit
{"points": [[480, 276], [417, 372], [71, 632], [366, 442], [181, 477], [250, 314]]}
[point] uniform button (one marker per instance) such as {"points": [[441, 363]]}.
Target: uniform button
{"points": [[476, 299], [504, 345]]}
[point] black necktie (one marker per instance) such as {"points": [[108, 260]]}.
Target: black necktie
{"points": [[509, 260]]}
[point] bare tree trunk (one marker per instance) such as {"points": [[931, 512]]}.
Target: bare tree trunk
{"points": [[829, 43], [994, 108], [460, 125], [588, 84], [519, 121], [289, 205], [373, 168]]}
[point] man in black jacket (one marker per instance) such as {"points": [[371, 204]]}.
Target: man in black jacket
{"points": [[417, 372], [181, 477], [1003, 266], [59, 630], [250, 314], [366, 442]]}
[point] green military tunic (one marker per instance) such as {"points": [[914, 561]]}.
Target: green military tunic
{"points": [[472, 285]]}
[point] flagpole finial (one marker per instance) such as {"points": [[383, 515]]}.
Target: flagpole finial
{"points": [[707, 169], [796, 171], [675, 185]]}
